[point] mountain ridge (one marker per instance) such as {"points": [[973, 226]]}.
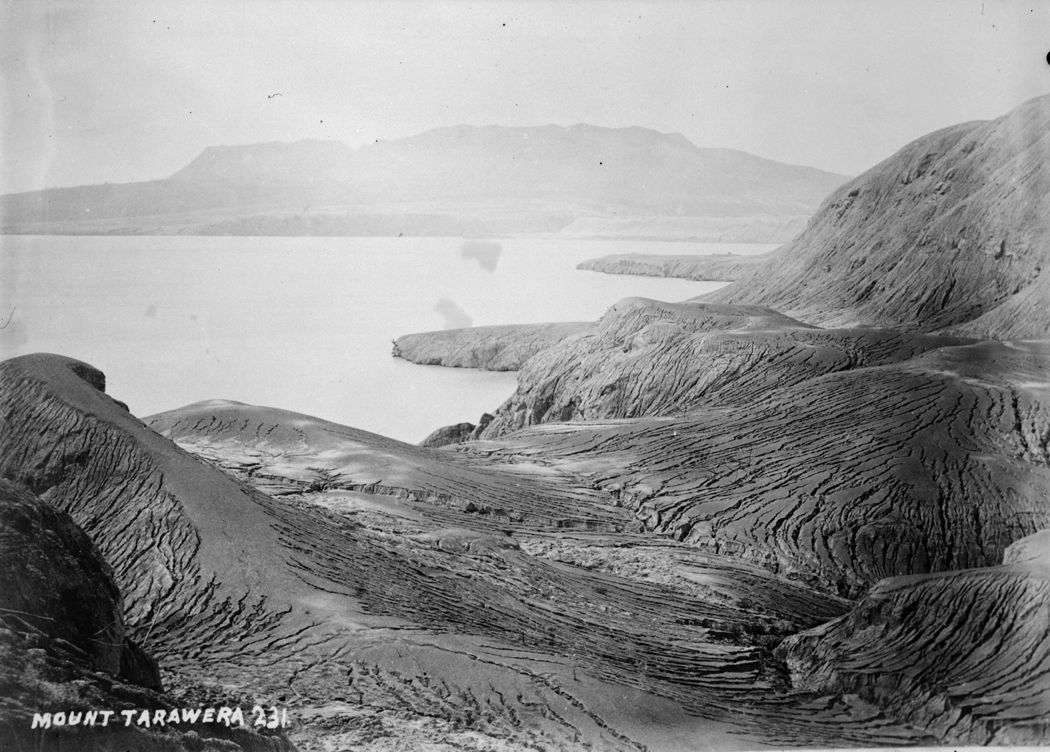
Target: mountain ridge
{"points": [[477, 179]]}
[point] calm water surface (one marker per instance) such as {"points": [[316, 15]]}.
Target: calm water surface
{"points": [[304, 324]]}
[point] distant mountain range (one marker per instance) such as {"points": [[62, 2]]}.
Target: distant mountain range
{"points": [[465, 180]]}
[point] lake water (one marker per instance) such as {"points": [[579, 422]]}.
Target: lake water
{"points": [[304, 324]]}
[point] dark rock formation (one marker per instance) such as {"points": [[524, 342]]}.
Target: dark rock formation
{"points": [[712, 268], [952, 232], [138, 667], [446, 435], [483, 423], [457, 434], [57, 581], [63, 648], [490, 348]]}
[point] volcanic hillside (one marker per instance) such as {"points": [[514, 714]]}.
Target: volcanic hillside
{"points": [[835, 458], [371, 586], [952, 232], [531, 591]]}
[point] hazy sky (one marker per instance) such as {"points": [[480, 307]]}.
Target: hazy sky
{"points": [[123, 91]]}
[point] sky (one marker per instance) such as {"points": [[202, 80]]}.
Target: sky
{"points": [[117, 92]]}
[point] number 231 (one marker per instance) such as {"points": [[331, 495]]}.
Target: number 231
{"points": [[277, 718]]}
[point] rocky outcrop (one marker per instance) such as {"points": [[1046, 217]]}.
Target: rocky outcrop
{"points": [[446, 435], [458, 433], [721, 267], [483, 423], [57, 581], [952, 232], [490, 348]]}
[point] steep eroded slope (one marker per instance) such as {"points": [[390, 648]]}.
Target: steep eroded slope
{"points": [[951, 228]]}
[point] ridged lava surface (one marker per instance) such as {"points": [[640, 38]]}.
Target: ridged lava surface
{"points": [[376, 585], [920, 467], [506, 594], [490, 348], [648, 358], [953, 231], [847, 476], [647, 612], [966, 654]]}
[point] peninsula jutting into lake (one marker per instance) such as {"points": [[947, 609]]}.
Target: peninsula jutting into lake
{"points": [[683, 494]]}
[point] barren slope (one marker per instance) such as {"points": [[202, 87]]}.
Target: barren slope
{"points": [[501, 595], [953, 231], [966, 654], [933, 464], [843, 477], [648, 358], [382, 586], [282, 601]]}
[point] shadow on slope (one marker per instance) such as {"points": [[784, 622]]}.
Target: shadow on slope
{"points": [[64, 655]]}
